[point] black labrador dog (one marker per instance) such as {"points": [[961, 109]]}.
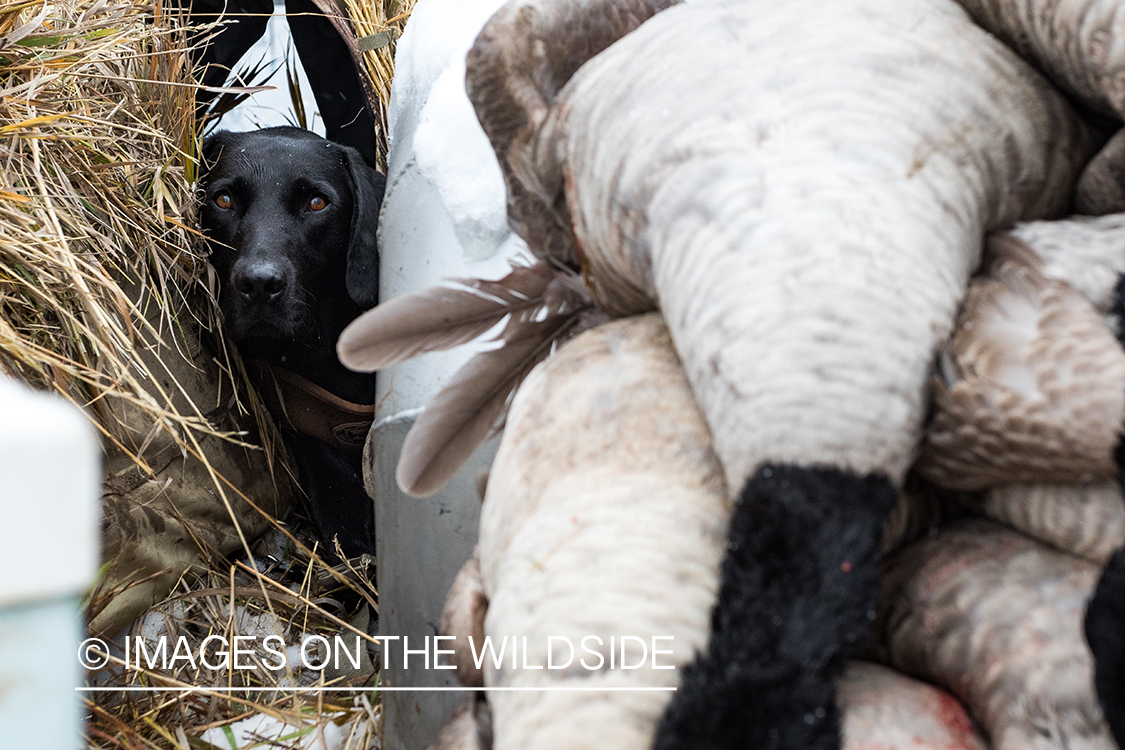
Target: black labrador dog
{"points": [[290, 219]]}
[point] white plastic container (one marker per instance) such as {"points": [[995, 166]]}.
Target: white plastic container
{"points": [[50, 475]]}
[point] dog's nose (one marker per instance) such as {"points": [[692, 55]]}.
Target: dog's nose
{"points": [[260, 282]]}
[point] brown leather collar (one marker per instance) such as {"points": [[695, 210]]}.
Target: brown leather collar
{"points": [[301, 405]]}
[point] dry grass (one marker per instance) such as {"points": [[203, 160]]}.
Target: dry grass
{"points": [[368, 18], [98, 160], [303, 598]]}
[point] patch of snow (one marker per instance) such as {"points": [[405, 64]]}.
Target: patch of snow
{"points": [[463, 168], [438, 34], [271, 108], [263, 730], [259, 626], [154, 624], [445, 211]]}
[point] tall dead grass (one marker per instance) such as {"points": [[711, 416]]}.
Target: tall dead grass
{"points": [[98, 147], [380, 23]]}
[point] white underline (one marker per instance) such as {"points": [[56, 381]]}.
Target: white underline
{"points": [[137, 689]]}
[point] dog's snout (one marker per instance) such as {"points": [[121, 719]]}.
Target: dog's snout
{"points": [[259, 282]]}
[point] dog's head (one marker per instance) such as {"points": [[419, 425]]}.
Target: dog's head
{"points": [[291, 220]]}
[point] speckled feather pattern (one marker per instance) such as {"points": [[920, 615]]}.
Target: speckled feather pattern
{"points": [[884, 709], [807, 229], [1030, 389], [604, 503], [804, 205], [1087, 252], [1079, 43], [997, 618], [524, 55], [1085, 519]]}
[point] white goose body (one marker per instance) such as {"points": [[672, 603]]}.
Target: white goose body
{"points": [[806, 222]]}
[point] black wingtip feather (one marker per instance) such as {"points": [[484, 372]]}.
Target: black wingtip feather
{"points": [[1117, 308], [1105, 615], [796, 595], [1105, 632]]}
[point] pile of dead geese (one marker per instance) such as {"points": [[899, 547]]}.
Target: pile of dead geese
{"points": [[836, 395]]}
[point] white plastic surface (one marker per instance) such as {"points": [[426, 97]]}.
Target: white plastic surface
{"points": [[50, 475], [443, 216], [39, 670], [50, 468]]}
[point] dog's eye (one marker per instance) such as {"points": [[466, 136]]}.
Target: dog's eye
{"points": [[317, 203], [224, 201]]}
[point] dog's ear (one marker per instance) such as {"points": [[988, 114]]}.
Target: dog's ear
{"points": [[212, 148], [368, 186]]}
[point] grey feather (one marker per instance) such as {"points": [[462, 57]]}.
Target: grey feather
{"points": [[542, 306], [472, 404], [440, 317]]}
